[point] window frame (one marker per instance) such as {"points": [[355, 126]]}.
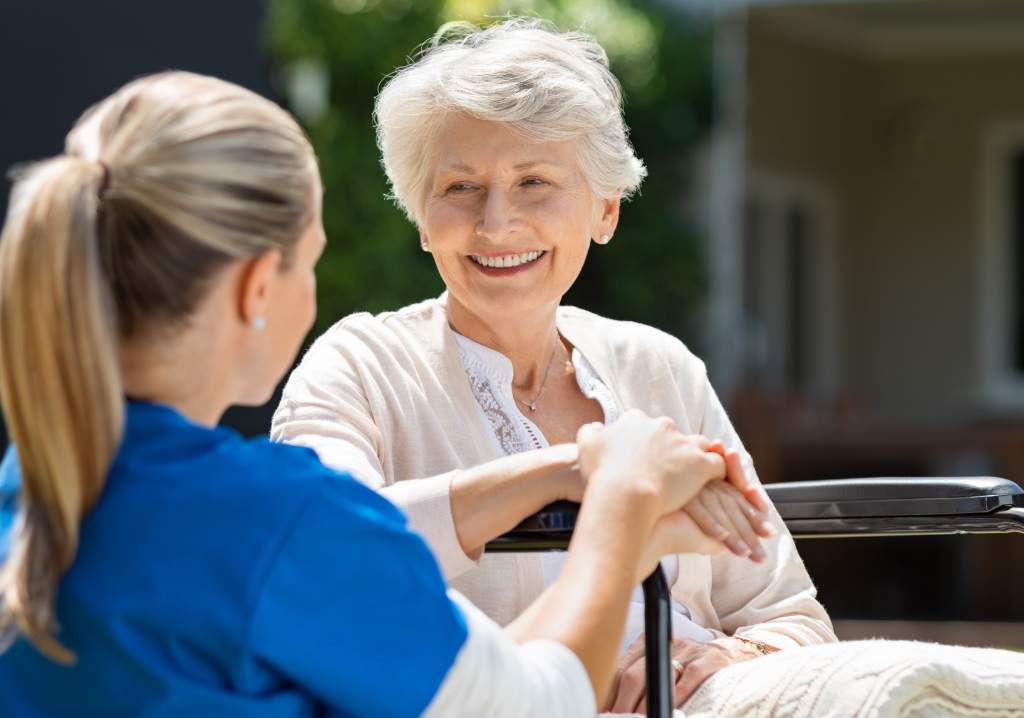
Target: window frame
{"points": [[1001, 384], [775, 193]]}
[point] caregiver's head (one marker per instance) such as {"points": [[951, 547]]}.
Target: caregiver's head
{"points": [[167, 255], [508, 148]]}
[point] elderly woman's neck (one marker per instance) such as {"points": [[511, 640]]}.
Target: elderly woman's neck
{"points": [[528, 340]]}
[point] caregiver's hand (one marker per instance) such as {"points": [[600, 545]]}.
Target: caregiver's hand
{"points": [[661, 463], [675, 533], [700, 661]]}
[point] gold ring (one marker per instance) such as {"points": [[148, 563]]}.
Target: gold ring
{"points": [[679, 668]]}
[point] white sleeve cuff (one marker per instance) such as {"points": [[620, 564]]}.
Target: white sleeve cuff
{"points": [[493, 676], [428, 507]]}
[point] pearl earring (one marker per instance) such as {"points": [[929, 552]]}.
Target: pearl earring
{"points": [[424, 246], [604, 239], [259, 324]]}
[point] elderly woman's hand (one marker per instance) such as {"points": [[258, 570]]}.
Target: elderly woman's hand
{"points": [[733, 511], [699, 661]]}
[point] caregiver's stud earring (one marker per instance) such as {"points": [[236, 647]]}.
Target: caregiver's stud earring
{"points": [[604, 239], [259, 324]]}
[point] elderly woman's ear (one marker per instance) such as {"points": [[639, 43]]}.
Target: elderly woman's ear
{"points": [[605, 224]]}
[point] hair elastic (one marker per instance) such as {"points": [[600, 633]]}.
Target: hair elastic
{"points": [[105, 184]]}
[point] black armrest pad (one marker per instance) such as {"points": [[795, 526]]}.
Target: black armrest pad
{"points": [[553, 517], [894, 496]]}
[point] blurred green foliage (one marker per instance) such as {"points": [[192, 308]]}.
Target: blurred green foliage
{"points": [[650, 272]]}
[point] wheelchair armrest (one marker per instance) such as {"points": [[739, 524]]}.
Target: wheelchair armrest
{"points": [[899, 506], [893, 497], [841, 507], [550, 529]]}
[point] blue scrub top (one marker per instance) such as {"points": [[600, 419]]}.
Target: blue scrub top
{"points": [[218, 576]]}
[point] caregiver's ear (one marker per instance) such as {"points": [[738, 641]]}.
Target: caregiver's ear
{"points": [[256, 284]]}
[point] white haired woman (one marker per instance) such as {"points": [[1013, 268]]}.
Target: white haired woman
{"points": [[153, 564], [507, 147]]}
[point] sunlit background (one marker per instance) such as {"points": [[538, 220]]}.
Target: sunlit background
{"points": [[833, 221]]}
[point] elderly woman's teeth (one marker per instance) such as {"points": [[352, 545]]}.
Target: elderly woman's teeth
{"points": [[512, 260]]}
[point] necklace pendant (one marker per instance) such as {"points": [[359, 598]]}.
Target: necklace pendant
{"points": [[533, 407]]}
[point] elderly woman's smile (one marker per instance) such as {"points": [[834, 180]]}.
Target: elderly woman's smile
{"points": [[506, 261], [508, 219]]}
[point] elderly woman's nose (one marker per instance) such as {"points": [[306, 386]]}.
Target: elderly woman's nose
{"points": [[499, 218]]}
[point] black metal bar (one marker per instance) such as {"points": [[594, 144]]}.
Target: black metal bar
{"points": [[661, 691], [1005, 521]]}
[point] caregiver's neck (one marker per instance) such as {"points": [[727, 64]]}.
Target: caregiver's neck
{"points": [[527, 339]]}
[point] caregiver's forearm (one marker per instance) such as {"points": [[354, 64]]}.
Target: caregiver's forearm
{"points": [[585, 609], [492, 498]]}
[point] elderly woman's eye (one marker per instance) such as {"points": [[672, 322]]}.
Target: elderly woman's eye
{"points": [[459, 187], [534, 181]]}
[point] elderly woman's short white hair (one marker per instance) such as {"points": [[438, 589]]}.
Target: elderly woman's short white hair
{"points": [[523, 73]]}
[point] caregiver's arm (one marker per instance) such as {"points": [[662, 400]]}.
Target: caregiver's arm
{"points": [[384, 606]]}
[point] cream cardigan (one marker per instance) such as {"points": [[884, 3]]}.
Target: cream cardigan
{"points": [[387, 399]]}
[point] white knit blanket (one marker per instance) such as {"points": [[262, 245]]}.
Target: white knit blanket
{"points": [[867, 679]]}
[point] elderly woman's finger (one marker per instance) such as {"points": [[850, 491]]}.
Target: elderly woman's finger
{"points": [[758, 520], [632, 688], [712, 501], [731, 500], [694, 674], [703, 518], [634, 653], [738, 478], [678, 533]]}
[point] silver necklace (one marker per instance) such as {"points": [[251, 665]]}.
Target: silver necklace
{"points": [[533, 404]]}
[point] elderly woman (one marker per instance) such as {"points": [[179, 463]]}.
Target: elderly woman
{"points": [[507, 148]]}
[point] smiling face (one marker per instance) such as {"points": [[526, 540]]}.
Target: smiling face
{"points": [[508, 221]]}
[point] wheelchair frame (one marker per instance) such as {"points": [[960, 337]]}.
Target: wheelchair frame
{"points": [[810, 509]]}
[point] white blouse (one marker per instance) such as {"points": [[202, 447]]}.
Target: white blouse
{"points": [[511, 432]]}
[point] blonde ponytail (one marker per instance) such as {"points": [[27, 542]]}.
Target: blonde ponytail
{"points": [[59, 380], [196, 173]]}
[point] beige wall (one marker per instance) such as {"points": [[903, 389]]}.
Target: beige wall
{"points": [[897, 145]]}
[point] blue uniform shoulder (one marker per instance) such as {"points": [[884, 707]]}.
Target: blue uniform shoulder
{"points": [[10, 489]]}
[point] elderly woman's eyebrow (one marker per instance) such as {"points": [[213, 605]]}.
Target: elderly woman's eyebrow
{"points": [[537, 163], [466, 169], [533, 164]]}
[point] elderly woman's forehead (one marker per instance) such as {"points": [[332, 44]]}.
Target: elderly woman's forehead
{"points": [[464, 144]]}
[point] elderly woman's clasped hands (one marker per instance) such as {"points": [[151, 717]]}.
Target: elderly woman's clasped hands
{"points": [[706, 504]]}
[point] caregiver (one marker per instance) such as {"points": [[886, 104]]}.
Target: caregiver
{"points": [[154, 564], [507, 147]]}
